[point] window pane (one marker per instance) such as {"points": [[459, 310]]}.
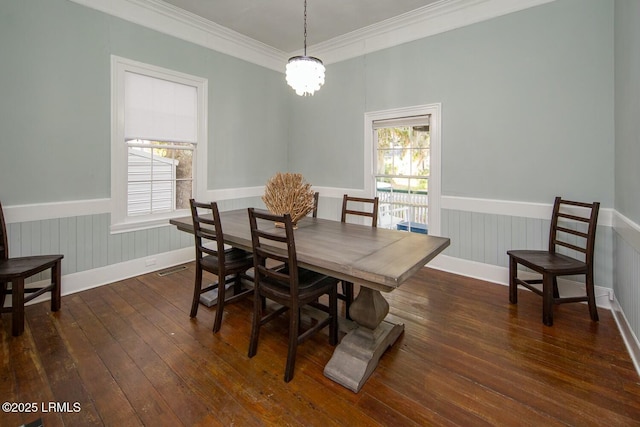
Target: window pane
{"points": [[420, 162], [402, 156], [184, 192], [385, 162], [160, 176]]}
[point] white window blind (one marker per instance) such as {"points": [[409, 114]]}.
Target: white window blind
{"points": [[159, 110], [401, 122]]}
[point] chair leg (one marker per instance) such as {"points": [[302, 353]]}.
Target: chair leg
{"points": [[333, 312], [56, 274], [3, 292], [196, 292], [591, 298], [547, 300], [258, 303], [294, 324], [556, 293], [222, 291], [17, 306], [513, 287], [237, 284]]}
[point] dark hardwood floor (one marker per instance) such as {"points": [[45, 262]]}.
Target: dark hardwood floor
{"points": [[128, 354]]}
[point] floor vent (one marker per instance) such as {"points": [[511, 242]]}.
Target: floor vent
{"points": [[171, 270]]}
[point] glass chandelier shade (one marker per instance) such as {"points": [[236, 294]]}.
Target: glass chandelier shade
{"points": [[305, 74]]}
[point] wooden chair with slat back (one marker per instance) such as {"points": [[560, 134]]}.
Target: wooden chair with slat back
{"points": [[369, 209], [287, 284], [16, 270], [230, 265], [573, 230], [316, 197]]}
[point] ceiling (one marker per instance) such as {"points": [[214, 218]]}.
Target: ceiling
{"points": [[280, 23]]}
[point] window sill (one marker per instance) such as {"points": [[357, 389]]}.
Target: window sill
{"points": [[146, 223]]}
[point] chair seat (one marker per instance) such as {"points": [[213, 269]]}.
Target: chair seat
{"points": [[26, 266], [310, 284], [235, 260], [544, 261]]}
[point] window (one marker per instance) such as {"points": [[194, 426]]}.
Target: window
{"points": [[402, 166], [158, 143], [402, 172]]}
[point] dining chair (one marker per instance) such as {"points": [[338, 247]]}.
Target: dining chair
{"points": [[316, 198], [230, 265], [572, 235], [15, 271], [356, 206], [290, 286]]}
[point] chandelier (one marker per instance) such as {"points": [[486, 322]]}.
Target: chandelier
{"points": [[305, 74]]}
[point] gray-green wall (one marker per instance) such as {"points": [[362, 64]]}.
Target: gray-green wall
{"points": [[627, 109], [528, 112], [55, 102], [527, 105]]}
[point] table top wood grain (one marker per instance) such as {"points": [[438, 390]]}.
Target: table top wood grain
{"points": [[378, 258]]}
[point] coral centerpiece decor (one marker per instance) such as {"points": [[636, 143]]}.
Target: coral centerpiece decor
{"points": [[288, 193]]}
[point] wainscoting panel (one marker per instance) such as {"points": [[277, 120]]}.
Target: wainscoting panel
{"points": [[627, 281], [86, 243]]}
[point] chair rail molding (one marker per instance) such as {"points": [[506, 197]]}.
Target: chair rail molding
{"points": [[513, 208], [53, 210], [627, 229]]}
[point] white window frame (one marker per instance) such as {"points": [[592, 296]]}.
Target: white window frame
{"points": [[120, 221], [435, 126]]}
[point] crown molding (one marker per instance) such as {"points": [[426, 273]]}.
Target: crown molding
{"points": [[168, 19], [435, 18], [444, 15]]}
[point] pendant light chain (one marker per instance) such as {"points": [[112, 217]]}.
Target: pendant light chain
{"points": [[305, 27], [305, 74]]}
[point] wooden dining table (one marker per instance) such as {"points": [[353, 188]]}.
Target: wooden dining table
{"points": [[377, 259]]}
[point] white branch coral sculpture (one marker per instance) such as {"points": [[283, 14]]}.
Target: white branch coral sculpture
{"points": [[288, 193]]}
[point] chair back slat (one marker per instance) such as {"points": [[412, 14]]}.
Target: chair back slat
{"points": [[271, 242], [574, 232], [573, 217], [570, 246], [574, 229], [580, 204], [207, 229], [372, 213], [4, 244]]}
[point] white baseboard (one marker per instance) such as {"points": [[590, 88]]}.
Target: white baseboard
{"points": [[81, 281], [630, 339], [77, 282], [500, 275]]}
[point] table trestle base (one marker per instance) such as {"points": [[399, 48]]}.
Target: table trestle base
{"points": [[359, 352]]}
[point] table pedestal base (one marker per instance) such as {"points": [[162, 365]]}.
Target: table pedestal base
{"points": [[357, 355], [210, 298]]}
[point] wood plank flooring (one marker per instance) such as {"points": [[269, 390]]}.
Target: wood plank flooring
{"points": [[127, 354]]}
